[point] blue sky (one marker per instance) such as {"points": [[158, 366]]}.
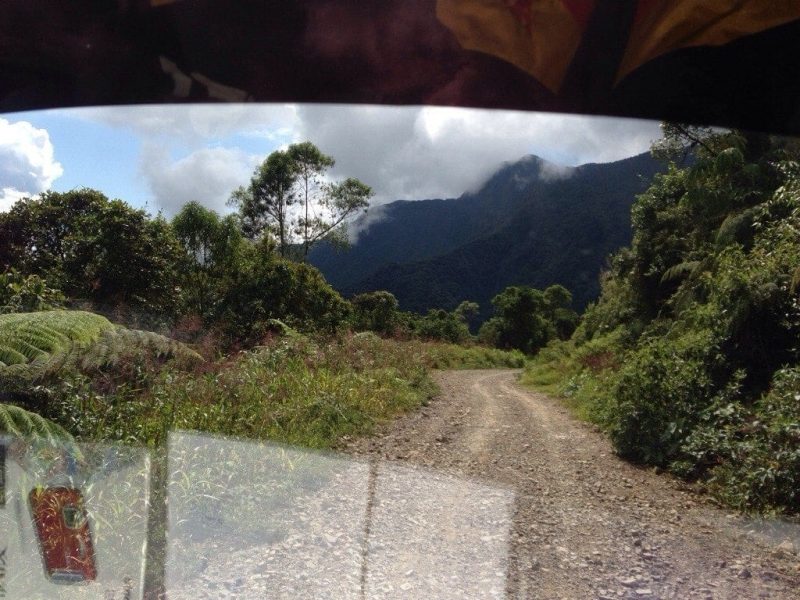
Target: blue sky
{"points": [[85, 150], [160, 157]]}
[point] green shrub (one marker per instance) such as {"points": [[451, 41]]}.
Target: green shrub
{"points": [[444, 326], [659, 394], [682, 359], [753, 453], [271, 288], [20, 293]]}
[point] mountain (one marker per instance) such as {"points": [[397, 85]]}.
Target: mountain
{"points": [[532, 223]]}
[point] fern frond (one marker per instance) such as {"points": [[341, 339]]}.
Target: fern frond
{"points": [[19, 422], [736, 228], [36, 345], [12, 357], [680, 271]]}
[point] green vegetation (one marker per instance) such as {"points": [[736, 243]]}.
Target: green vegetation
{"points": [[39, 351], [295, 177], [19, 293], [39, 342], [292, 388], [76, 371], [244, 341], [29, 337], [450, 356], [526, 318], [520, 227], [94, 249], [689, 360]]}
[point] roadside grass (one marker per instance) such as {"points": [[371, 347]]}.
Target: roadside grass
{"points": [[451, 356], [99, 381], [105, 382], [549, 370], [582, 377]]}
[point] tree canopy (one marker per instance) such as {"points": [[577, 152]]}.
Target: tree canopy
{"points": [[526, 318], [291, 198], [93, 248]]}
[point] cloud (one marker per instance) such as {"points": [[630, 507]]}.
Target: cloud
{"points": [[8, 196], [552, 172], [27, 162], [430, 152], [364, 221], [196, 124], [207, 176], [402, 152]]}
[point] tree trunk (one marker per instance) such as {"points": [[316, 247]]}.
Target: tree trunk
{"points": [[305, 224]]}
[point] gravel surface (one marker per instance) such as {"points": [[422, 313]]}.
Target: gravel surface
{"points": [[490, 491], [585, 523]]}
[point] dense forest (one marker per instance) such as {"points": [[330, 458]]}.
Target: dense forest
{"points": [[690, 358]]}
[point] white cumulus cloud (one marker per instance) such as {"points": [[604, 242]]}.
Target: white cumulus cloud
{"points": [[207, 176], [27, 162]]}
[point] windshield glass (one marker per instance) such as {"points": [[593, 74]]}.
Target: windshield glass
{"points": [[315, 351]]}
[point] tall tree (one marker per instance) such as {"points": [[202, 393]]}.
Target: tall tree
{"points": [[325, 206], [264, 205], [290, 194], [310, 164], [212, 246]]}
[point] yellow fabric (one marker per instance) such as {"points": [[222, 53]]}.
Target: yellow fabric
{"points": [[489, 26], [674, 24]]}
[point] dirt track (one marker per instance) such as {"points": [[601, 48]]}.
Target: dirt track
{"points": [[586, 524]]}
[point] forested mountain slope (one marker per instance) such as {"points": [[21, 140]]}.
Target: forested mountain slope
{"points": [[531, 223]]}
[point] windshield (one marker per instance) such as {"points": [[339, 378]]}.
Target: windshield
{"points": [[360, 351]]}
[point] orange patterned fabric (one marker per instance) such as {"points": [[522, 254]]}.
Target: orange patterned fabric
{"points": [[661, 26], [538, 36], [542, 36]]}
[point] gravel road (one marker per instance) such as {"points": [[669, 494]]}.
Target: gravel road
{"points": [[490, 491], [586, 524]]}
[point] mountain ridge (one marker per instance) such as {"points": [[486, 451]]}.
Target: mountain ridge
{"points": [[530, 223]]}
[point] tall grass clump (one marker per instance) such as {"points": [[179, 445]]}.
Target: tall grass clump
{"points": [[452, 356], [290, 389]]}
